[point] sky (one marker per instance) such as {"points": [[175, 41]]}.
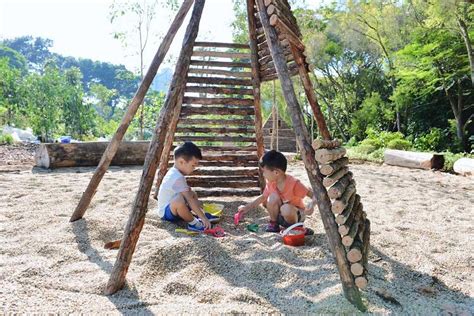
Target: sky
{"points": [[81, 28]]}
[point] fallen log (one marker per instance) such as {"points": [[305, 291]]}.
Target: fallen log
{"points": [[464, 166], [58, 155], [412, 159]]}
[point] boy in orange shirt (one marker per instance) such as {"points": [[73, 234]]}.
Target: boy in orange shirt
{"points": [[283, 195]]}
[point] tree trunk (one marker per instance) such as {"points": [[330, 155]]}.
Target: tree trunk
{"points": [[465, 35]]}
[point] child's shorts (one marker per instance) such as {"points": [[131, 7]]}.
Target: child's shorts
{"points": [[281, 220], [169, 216]]}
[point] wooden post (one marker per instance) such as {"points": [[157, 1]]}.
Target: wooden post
{"points": [[256, 84], [324, 204], [139, 208], [274, 119], [132, 110], [309, 90]]}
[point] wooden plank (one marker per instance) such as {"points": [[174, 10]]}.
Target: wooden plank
{"points": [[218, 110], [140, 204], [212, 122], [223, 178], [220, 72], [222, 64], [225, 172], [222, 45], [207, 183], [216, 138], [220, 81], [217, 101], [227, 192], [131, 111], [219, 90], [232, 55], [226, 157], [216, 130], [220, 164]]}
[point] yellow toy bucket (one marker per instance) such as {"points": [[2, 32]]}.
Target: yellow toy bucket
{"points": [[213, 208]]}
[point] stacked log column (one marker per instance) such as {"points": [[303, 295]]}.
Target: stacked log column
{"points": [[347, 207], [289, 35]]}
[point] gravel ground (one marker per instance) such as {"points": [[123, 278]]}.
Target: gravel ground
{"points": [[421, 249]]}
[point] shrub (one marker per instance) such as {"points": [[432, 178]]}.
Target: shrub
{"points": [[400, 144], [6, 139]]}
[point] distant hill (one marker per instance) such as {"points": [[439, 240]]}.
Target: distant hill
{"points": [[162, 80]]}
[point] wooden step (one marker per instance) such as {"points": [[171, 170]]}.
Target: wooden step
{"points": [[230, 172], [220, 72], [226, 149], [219, 164], [222, 178], [226, 157], [220, 81], [210, 122], [227, 192], [219, 90], [216, 130], [231, 55], [218, 110], [222, 45], [208, 183], [225, 64], [218, 101], [219, 138]]}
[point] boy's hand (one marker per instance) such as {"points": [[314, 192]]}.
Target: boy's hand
{"points": [[310, 207], [207, 224], [243, 209]]}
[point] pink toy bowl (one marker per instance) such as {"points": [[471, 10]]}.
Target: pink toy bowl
{"points": [[294, 235]]}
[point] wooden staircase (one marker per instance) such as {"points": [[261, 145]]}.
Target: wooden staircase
{"points": [[218, 115]]}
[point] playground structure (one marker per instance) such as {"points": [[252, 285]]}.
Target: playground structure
{"points": [[276, 52]]}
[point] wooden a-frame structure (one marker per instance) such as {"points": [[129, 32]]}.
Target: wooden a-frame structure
{"points": [[276, 51]]}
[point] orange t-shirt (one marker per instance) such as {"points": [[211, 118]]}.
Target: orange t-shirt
{"points": [[293, 192]]}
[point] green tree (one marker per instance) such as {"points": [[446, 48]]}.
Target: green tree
{"points": [[45, 101], [139, 15], [79, 118], [11, 97]]}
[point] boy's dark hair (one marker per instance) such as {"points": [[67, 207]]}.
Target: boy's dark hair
{"points": [[274, 160], [187, 151]]}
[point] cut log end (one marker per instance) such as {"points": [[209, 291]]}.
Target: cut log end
{"points": [[361, 282], [357, 269]]}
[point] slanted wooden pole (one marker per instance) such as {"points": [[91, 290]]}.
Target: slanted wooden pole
{"points": [[302, 136], [310, 95], [139, 208], [256, 84], [132, 110]]}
